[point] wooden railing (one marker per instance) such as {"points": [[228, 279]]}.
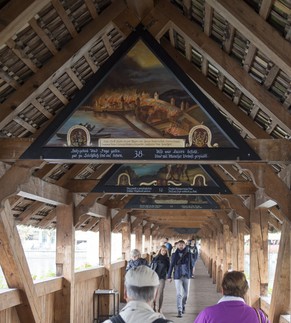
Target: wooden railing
{"points": [[86, 282]]}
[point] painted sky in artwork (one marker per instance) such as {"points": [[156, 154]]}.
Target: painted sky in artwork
{"points": [[139, 98]]}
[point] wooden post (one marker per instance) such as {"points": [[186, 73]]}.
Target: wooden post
{"points": [[258, 254], [105, 259], [240, 244], [138, 238], [227, 248], [280, 301], [126, 238], [219, 264], [147, 234], [15, 268], [65, 263]]}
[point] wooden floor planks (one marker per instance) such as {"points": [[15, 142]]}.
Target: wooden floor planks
{"points": [[202, 293]]}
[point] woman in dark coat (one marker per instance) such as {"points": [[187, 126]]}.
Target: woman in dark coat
{"points": [[160, 264]]}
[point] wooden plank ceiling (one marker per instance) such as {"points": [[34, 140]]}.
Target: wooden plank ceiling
{"points": [[237, 52]]}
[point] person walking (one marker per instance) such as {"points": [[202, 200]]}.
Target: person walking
{"points": [[140, 287], [160, 264], [192, 248], [168, 246], [135, 260], [232, 307], [182, 265]]}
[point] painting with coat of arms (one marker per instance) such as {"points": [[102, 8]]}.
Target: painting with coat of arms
{"points": [[140, 103]]}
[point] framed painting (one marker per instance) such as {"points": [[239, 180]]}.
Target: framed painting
{"points": [[140, 106], [149, 178]]}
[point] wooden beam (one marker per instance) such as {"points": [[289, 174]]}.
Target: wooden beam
{"points": [[118, 217], [265, 177], [270, 152], [65, 263], [36, 189], [226, 64], [256, 30], [25, 216], [105, 241], [140, 8], [64, 17], [15, 176], [215, 95], [9, 298], [126, 237], [15, 268], [13, 148], [265, 8], [14, 14], [54, 68], [91, 8], [258, 254], [280, 300], [88, 205], [43, 36], [48, 219]]}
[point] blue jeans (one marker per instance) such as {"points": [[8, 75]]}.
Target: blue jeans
{"points": [[182, 291]]}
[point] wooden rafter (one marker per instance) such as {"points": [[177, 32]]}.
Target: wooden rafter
{"points": [[256, 30]]}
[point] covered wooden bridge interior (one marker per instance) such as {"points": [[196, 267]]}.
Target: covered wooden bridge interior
{"points": [[236, 52]]}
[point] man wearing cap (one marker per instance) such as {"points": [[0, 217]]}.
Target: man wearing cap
{"points": [[182, 265], [140, 287]]}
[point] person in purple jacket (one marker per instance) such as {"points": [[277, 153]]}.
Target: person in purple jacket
{"points": [[231, 308]]}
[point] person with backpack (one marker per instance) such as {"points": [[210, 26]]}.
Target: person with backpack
{"points": [[160, 264], [181, 263], [136, 260], [140, 287]]}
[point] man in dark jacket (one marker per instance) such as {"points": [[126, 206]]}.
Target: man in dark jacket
{"points": [[136, 260], [182, 265]]}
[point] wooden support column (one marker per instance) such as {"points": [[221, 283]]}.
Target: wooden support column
{"points": [[219, 264], [65, 263], [258, 253], [15, 268], [280, 301], [147, 241], [227, 264], [240, 244], [138, 238], [105, 241], [155, 240], [126, 237], [105, 259]]}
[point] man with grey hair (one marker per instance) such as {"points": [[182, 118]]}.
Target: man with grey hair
{"points": [[135, 260], [140, 287]]}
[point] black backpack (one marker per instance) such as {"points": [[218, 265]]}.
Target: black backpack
{"points": [[119, 319]]}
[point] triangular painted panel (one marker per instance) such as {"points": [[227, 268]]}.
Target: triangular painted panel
{"points": [[157, 178], [140, 106], [169, 202]]}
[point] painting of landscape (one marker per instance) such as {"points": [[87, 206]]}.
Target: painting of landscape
{"points": [[139, 99]]}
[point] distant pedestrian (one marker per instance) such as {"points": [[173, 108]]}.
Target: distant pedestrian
{"points": [[182, 265], [136, 260], [160, 264], [192, 248], [168, 246]]}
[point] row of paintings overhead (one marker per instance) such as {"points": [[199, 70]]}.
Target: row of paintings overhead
{"points": [[140, 106]]}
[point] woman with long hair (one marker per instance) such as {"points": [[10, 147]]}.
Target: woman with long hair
{"points": [[160, 264]]}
